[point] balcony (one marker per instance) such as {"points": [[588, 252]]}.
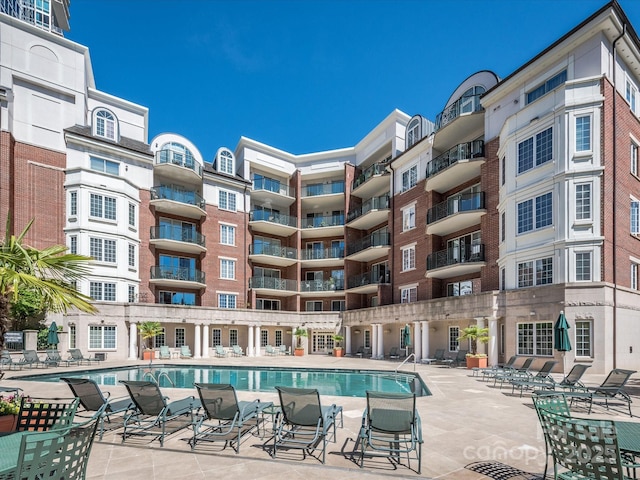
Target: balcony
{"points": [[454, 262], [323, 196], [271, 192], [366, 282], [322, 257], [370, 247], [177, 277], [456, 213], [324, 226], [170, 237], [462, 119], [455, 167], [311, 288], [274, 223], [178, 167], [273, 286], [176, 201], [372, 180], [273, 254], [372, 212]]}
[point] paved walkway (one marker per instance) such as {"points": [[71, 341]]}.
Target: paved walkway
{"points": [[464, 421]]}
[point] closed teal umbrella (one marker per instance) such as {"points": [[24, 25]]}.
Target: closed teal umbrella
{"points": [[561, 340], [406, 336], [52, 336]]}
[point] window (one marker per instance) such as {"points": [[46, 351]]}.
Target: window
{"points": [[227, 200], [503, 177], [584, 346], [413, 132], [73, 204], [635, 217], [227, 235], [503, 226], [535, 151], [409, 258], [543, 213], [160, 339], [132, 255], [314, 306], [367, 339], [105, 125], [543, 272], [408, 218], [102, 336], [102, 291], [337, 305], [177, 154], [409, 295], [546, 87], [634, 158], [233, 336], [73, 337], [535, 339], [132, 215], [225, 161], [73, 244], [102, 207], [278, 340], [102, 250], [131, 290], [454, 333], [216, 337], [583, 266], [583, 201], [409, 178], [176, 298], [634, 276], [264, 338], [503, 279], [267, 304], [227, 269], [105, 166], [583, 133], [631, 95], [180, 337], [459, 289], [227, 300]]}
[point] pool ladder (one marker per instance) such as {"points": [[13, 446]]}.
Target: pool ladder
{"points": [[156, 380]]}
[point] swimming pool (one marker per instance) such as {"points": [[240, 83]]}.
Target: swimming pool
{"points": [[343, 383]]}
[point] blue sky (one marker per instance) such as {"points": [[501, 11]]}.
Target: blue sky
{"points": [[306, 76]]}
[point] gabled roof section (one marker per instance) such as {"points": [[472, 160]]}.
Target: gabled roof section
{"points": [[124, 142]]}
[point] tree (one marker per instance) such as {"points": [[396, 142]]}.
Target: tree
{"points": [[300, 333], [49, 274], [474, 334]]}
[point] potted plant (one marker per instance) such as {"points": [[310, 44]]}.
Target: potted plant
{"points": [[9, 409], [148, 331], [475, 334], [300, 333], [338, 351]]}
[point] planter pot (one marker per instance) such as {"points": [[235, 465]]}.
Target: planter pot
{"points": [[148, 355], [477, 362], [298, 352], [338, 352], [8, 423]]}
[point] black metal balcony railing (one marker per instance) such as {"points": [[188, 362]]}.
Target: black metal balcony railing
{"points": [[271, 185], [272, 250], [367, 278], [267, 216], [323, 189], [177, 195], [321, 285], [179, 234], [323, 221], [464, 151], [465, 104], [466, 202], [177, 273], [273, 283], [322, 253], [454, 256], [177, 158], [373, 240], [375, 203], [375, 169]]}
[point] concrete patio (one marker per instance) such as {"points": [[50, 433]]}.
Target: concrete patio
{"points": [[464, 420]]}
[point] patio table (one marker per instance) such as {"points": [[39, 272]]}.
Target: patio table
{"points": [[628, 436]]}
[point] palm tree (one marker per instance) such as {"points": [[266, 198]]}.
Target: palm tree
{"points": [[50, 273]]}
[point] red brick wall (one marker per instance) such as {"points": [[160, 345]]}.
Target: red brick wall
{"points": [[490, 222]]}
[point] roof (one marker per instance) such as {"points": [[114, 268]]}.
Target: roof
{"points": [[124, 142]]}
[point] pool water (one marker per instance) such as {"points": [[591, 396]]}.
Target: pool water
{"points": [[343, 383]]}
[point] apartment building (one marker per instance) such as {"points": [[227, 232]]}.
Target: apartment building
{"points": [[499, 212]]}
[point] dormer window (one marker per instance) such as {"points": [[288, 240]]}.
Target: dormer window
{"points": [[105, 125], [225, 161], [178, 154], [413, 132]]}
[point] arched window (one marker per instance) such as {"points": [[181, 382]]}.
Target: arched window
{"points": [[414, 133], [105, 125], [177, 153], [225, 161]]}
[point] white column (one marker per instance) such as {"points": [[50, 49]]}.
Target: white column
{"points": [[374, 341], [380, 342], [205, 341], [250, 341], [482, 323], [197, 348], [492, 350], [425, 339], [347, 340], [417, 341], [258, 349], [133, 341]]}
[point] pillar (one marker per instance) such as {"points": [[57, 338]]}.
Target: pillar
{"points": [[482, 323], [197, 348], [257, 342], [417, 341], [380, 342], [133, 341], [347, 340], [374, 341], [205, 341], [492, 346], [425, 339], [250, 341]]}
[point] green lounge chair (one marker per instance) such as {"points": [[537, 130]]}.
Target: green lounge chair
{"points": [[493, 370], [236, 351], [6, 361], [393, 353], [391, 427], [185, 352], [31, 358], [284, 350], [165, 353], [514, 373], [570, 381], [542, 375], [76, 354], [224, 418], [220, 351], [611, 389], [269, 350]]}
